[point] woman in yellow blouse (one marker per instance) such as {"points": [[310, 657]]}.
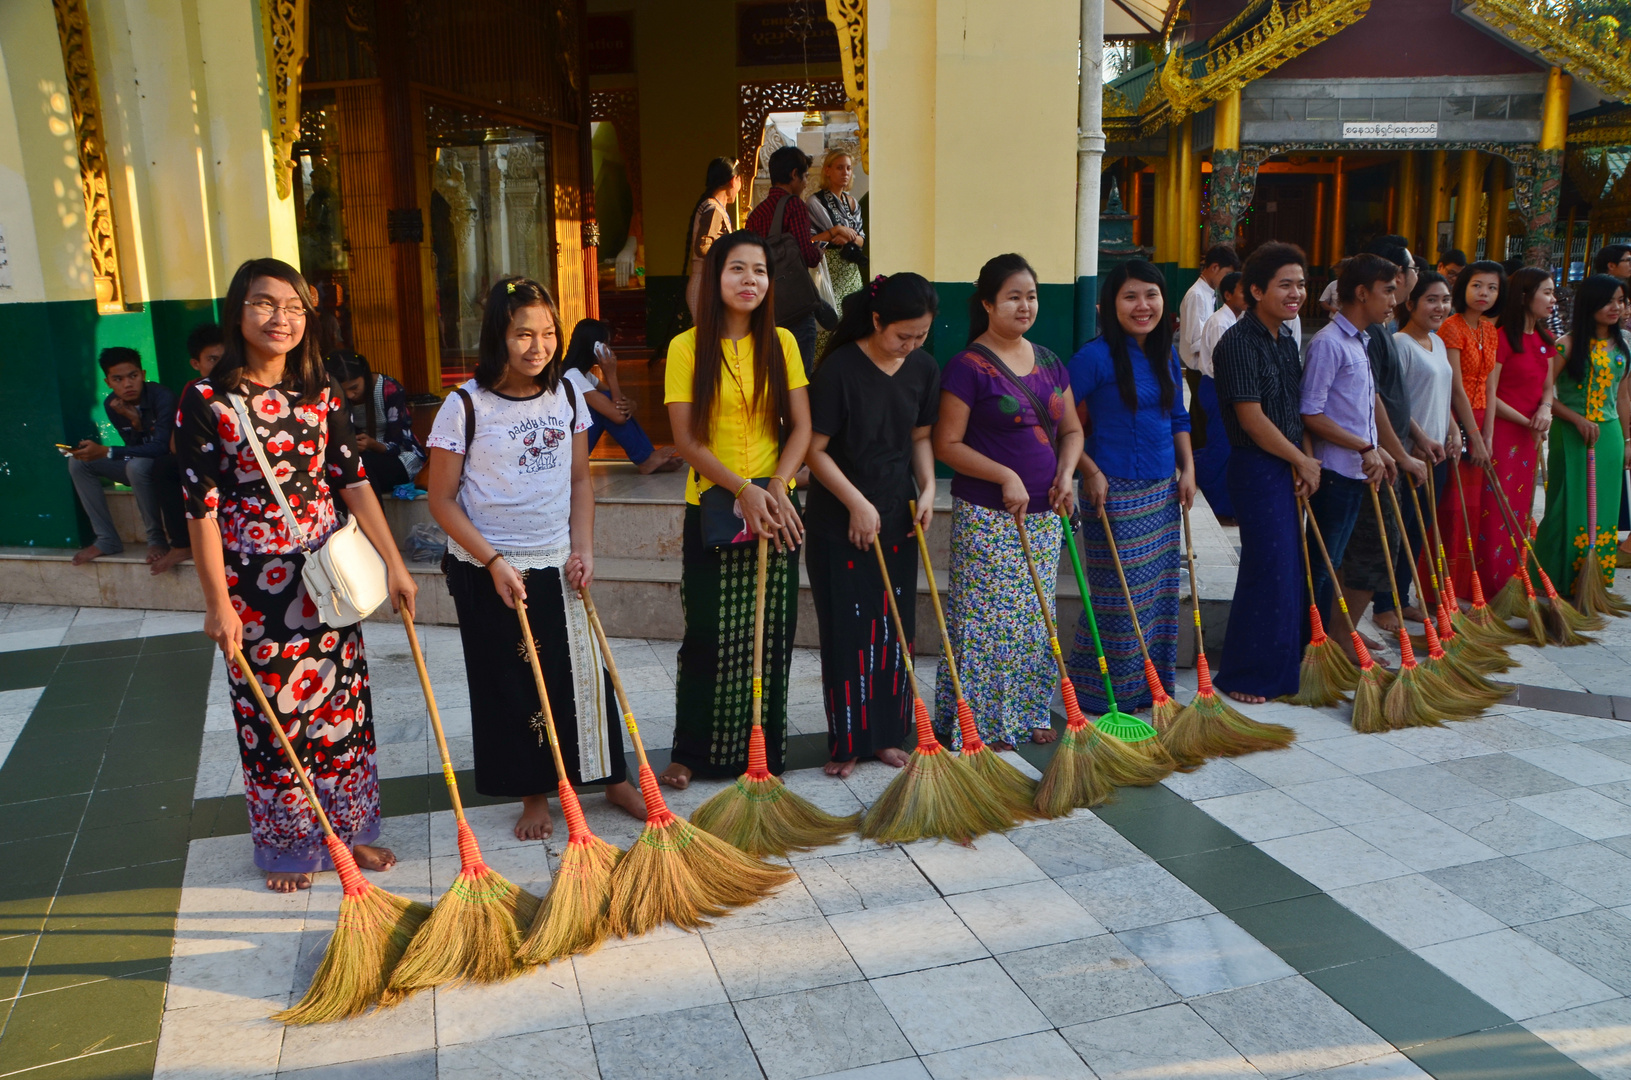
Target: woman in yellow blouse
{"points": [[737, 402]]}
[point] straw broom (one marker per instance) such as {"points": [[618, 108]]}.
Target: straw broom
{"points": [[374, 926], [674, 872], [1563, 623], [572, 918], [1481, 656], [475, 928], [1163, 710], [936, 795], [1089, 761], [1374, 679], [1326, 675], [1015, 790], [1481, 624], [1512, 601], [1591, 593], [759, 814], [1210, 726], [1415, 699]]}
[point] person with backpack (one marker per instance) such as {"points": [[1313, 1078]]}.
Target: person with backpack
{"points": [[509, 483]]}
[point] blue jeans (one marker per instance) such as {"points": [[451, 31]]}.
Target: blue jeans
{"points": [[627, 434], [1336, 509], [1404, 561], [804, 332]]}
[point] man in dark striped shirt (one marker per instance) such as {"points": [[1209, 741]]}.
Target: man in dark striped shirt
{"points": [[1271, 464]]}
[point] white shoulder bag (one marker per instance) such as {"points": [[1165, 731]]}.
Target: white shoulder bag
{"points": [[345, 577]]}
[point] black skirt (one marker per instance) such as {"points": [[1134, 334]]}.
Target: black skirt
{"points": [[511, 762]]}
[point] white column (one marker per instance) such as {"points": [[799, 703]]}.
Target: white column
{"points": [[1089, 153]]}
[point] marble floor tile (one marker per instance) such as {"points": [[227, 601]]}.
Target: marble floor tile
{"points": [[1077, 845], [828, 1030], [1143, 894], [1577, 764], [1591, 870], [1507, 733], [1042, 1056], [1204, 955], [649, 977], [991, 860], [406, 1029], [1422, 842], [906, 937], [1586, 812], [413, 1065], [1516, 974], [1311, 725], [1415, 910], [790, 901], [1507, 827], [1597, 1036], [1505, 775], [1429, 787], [1615, 746], [218, 967], [1434, 744], [1394, 1066], [1087, 979], [910, 1068], [1289, 1027], [563, 1054], [1511, 891], [779, 957], [1171, 1041], [1348, 799], [877, 877], [1264, 815], [543, 999], [1597, 942], [1024, 916], [1571, 727], [1333, 858], [705, 1043], [1215, 779], [950, 1007], [224, 1040], [1362, 754], [1293, 765]]}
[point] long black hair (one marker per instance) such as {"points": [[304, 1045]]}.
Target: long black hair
{"points": [[1407, 307], [1590, 297], [1516, 297], [303, 370], [508, 296], [1157, 346], [769, 363], [580, 355], [993, 275], [896, 298], [1458, 292], [720, 171]]}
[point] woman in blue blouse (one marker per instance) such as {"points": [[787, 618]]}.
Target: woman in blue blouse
{"points": [[1137, 464]]}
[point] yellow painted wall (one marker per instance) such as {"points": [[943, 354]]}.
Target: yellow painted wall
{"points": [[23, 251]]}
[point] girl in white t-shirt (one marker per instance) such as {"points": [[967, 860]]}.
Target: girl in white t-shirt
{"points": [[611, 413], [509, 482]]}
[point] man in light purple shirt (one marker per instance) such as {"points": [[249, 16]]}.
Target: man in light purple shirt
{"points": [[1339, 409]]}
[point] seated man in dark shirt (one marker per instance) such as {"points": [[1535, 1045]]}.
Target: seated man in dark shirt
{"points": [[143, 414]]}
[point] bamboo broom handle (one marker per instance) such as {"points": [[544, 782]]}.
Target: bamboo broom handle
{"points": [[894, 613], [617, 680], [283, 740], [1302, 528], [1042, 597], [1421, 523], [1387, 556], [1195, 581], [1510, 519], [759, 632], [1438, 535], [543, 691], [939, 613], [1466, 522], [1126, 593], [1331, 570], [435, 716]]}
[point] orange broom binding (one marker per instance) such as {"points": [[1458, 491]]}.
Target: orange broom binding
{"points": [[1326, 675], [1415, 698], [1562, 622], [1163, 710], [1481, 624], [1462, 657], [1374, 679]]}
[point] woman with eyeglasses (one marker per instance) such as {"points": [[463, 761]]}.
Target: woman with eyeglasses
{"points": [[249, 560]]}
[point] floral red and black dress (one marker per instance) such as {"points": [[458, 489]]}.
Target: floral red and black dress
{"points": [[315, 676]]}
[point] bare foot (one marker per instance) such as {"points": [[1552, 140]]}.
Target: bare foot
{"points": [[86, 554], [155, 553], [1001, 746], [627, 799], [287, 883], [1414, 614], [370, 857], [535, 822], [892, 757], [660, 461], [1388, 621], [1246, 699], [676, 776], [1043, 735], [840, 769], [172, 559]]}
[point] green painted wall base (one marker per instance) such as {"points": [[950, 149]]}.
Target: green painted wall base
{"points": [[1087, 310], [1054, 329]]}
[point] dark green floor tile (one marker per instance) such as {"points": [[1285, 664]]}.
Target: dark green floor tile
{"points": [[87, 684], [15, 953], [116, 846], [139, 736], [58, 720], [163, 761], [48, 1028], [117, 806], [1406, 1000], [1313, 932], [33, 864], [113, 648], [42, 817], [27, 668], [1510, 1052], [76, 949], [1169, 830], [170, 674], [1237, 877], [125, 1063], [26, 779], [25, 914], [40, 747], [401, 795], [104, 890], [194, 641], [1134, 800]]}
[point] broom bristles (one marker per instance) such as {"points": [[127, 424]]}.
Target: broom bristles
{"points": [[1163, 710], [1211, 727], [936, 795], [1405, 704], [1509, 601], [1558, 620], [371, 934], [1591, 592], [1319, 677], [572, 916], [1074, 776], [762, 816], [1010, 787]]}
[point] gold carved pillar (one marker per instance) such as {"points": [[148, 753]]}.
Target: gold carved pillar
{"points": [[85, 103], [849, 17], [1468, 205], [283, 28]]}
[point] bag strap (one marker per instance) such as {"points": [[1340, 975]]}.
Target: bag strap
{"points": [[469, 418], [248, 427], [781, 211], [1042, 417]]}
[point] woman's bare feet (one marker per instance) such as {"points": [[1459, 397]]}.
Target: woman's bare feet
{"points": [[1043, 735], [1387, 621], [676, 776], [155, 553], [287, 883], [373, 858], [840, 769], [534, 822], [893, 757], [627, 799], [666, 459], [1246, 699], [1001, 746], [170, 560], [1415, 614]]}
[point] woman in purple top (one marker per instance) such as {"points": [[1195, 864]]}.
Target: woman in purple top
{"points": [[1009, 430]]}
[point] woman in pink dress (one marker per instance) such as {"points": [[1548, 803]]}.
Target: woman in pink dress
{"points": [[1520, 393]]}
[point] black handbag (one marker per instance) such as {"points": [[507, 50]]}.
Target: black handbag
{"points": [[722, 524], [796, 293]]}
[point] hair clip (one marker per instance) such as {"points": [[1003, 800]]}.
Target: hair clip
{"points": [[509, 286], [877, 284]]}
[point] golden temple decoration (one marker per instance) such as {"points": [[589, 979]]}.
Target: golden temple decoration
{"points": [[1588, 45], [283, 31], [1288, 29], [1120, 115], [1608, 129], [754, 104], [849, 17], [85, 100]]}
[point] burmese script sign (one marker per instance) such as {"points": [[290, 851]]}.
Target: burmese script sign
{"points": [[784, 32], [1367, 129]]}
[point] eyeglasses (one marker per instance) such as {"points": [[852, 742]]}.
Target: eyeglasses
{"points": [[266, 309]]}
